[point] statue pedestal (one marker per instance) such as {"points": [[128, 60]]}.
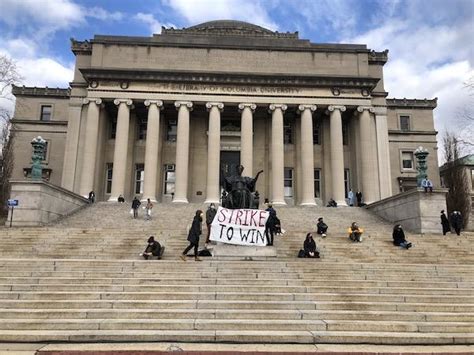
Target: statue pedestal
{"points": [[229, 250]]}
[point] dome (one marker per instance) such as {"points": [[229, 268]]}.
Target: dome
{"points": [[229, 25]]}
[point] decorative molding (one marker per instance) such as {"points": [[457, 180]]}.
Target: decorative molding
{"points": [[88, 100], [188, 104], [81, 47], [312, 108], [127, 102], [219, 105], [368, 108], [94, 84], [412, 103], [124, 85], [158, 103], [336, 91], [243, 105], [332, 108], [378, 57], [41, 91], [273, 107]]}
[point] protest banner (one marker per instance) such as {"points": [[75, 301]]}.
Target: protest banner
{"points": [[240, 227]]}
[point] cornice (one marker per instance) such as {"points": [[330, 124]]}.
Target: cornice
{"points": [[38, 122], [412, 103], [378, 57], [412, 133], [41, 91], [97, 74], [81, 47]]}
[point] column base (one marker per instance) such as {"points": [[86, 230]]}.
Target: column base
{"points": [[180, 200], [310, 203], [154, 200], [112, 199], [278, 203], [211, 200], [342, 204]]}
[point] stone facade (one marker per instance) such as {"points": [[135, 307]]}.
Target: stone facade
{"points": [[160, 117]]}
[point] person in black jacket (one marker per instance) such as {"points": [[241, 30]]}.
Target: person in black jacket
{"points": [[399, 237], [135, 205], [193, 236], [271, 224], [456, 221], [322, 227], [445, 223], [210, 214], [309, 246], [152, 249]]}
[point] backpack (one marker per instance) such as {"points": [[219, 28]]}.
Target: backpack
{"points": [[204, 252], [301, 253]]}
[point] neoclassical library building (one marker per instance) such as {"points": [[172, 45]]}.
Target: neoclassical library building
{"points": [[165, 117]]}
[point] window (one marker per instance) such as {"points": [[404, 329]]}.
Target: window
{"points": [[287, 132], [113, 129], [404, 123], [142, 127], [45, 154], [317, 183], [317, 134], [347, 182], [170, 179], [472, 178], [46, 111], [407, 161], [139, 178], [288, 182], [345, 133], [108, 177], [171, 131]]}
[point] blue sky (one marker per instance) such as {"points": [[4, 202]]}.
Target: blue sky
{"points": [[430, 41]]}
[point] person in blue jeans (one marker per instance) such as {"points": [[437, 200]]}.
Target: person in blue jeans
{"points": [[399, 237]]}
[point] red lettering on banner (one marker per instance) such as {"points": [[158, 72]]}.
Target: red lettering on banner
{"points": [[246, 218], [262, 219], [253, 221], [221, 216], [239, 217]]}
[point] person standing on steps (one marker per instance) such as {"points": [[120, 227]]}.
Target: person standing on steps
{"points": [[148, 208], [351, 196], [321, 227], [193, 236], [456, 221], [210, 214], [445, 223], [355, 232], [91, 197], [271, 224], [135, 205], [359, 198], [398, 236]]}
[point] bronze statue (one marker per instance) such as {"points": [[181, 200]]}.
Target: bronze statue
{"points": [[239, 191]]}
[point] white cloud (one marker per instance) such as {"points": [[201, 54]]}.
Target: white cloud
{"points": [[151, 22], [101, 14], [198, 11]]}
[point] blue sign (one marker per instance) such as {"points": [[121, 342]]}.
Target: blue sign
{"points": [[12, 203]]}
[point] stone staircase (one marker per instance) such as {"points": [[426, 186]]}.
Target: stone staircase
{"points": [[81, 280]]}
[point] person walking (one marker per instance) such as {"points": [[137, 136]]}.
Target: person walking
{"points": [[456, 221], [359, 198], [193, 236], [148, 208], [398, 236], [210, 214], [445, 223], [321, 227], [135, 205]]}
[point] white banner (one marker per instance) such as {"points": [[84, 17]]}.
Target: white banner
{"points": [[241, 227]]}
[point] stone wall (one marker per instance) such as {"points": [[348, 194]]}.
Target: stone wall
{"points": [[415, 210], [40, 203]]}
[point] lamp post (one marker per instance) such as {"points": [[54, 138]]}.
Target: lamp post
{"points": [[39, 145], [421, 154]]}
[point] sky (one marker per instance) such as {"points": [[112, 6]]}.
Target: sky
{"points": [[430, 42]]}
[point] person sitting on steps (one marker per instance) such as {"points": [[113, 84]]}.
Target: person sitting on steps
{"points": [[322, 227], [331, 203], [309, 247], [399, 237], [355, 232], [152, 249]]}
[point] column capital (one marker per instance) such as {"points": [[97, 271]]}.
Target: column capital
{"points": [[341, 108], [188, 104], [301, 108], [273, 107], [87, 100], [219, 105], [127, 102], [158, 103], [246, 104], [368, 108]]}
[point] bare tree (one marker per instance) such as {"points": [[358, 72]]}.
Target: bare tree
{"points": [[9, 76], [465, 118], [456, 178]]}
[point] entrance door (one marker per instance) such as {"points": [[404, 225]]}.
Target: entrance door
{"points": [[229, 162]]}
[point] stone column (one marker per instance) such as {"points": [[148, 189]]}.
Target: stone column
{"points": [[246, 137], [213, 151], [337, 154], [121, 148], [90, 146], [307, 155], [368, 158], [383, 155], [278, 157], [151, 148], [182, 151], [72, 143]]}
